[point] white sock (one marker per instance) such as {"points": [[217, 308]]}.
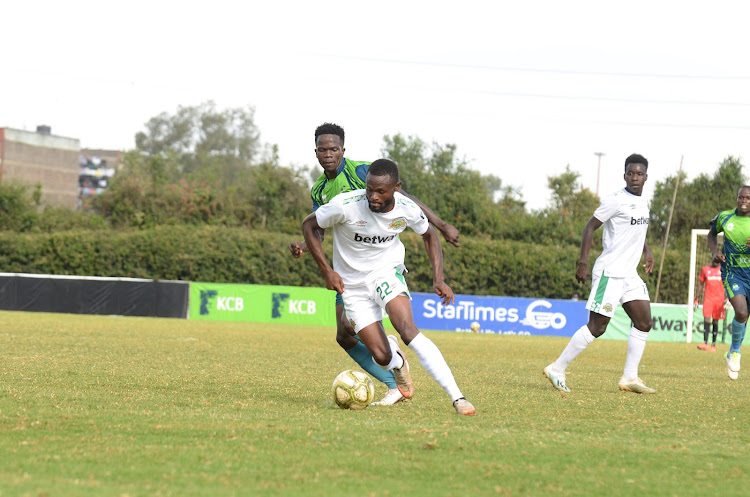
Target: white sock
{"points": [[433, 362], [577, 344], [636, 346], [396, 360]]}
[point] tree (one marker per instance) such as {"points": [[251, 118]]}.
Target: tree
{"points": [[208, 144], [445, 183], [18, 207], [697, 202], [185, 169], [570, 200], [271, 196]]}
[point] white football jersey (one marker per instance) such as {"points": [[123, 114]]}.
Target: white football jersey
{"points": [[364, 241], [625, 223]]}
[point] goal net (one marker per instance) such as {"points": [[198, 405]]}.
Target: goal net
{"points": [[699, 256]]}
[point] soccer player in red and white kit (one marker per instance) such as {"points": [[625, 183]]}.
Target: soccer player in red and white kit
{"points": [[714, 300]]}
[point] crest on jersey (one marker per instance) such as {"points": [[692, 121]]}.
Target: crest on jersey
{"points": [[397, 223], [730, 226], [361, 224]]}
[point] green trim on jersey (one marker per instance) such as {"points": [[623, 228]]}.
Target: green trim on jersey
{"points": [[356, 198], [346, 180], [736, 231], [406, 201], [600, 289]]}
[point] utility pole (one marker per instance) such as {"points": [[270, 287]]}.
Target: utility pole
{"points": [[598, 170]]}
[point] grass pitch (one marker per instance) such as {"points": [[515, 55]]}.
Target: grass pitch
{"points": [[114, 406]]}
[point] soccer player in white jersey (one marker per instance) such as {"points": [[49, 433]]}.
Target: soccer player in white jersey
{"points": [[615, 279], [368, 271]]}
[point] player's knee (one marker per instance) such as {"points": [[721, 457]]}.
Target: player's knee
{"points": [[642, 325], [382, 356], [345, 340], [597, 329]]}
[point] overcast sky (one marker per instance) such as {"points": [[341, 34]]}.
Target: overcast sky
{"points": [[521, 88]]}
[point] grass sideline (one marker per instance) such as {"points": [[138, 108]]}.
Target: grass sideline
{"points": [[116, 406]]}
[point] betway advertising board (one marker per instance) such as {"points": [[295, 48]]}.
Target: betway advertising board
{"points": [[495, 315]]}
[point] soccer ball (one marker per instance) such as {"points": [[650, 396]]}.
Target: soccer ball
{"points": [[475, 327], [353, 390]]}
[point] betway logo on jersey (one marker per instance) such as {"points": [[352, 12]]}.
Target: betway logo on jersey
{"points": [[373, 239], [223, 303], [640, 220], [283, 304]]}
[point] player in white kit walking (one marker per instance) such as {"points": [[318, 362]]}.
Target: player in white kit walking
{"points": [[615, 279], [368, 271]]}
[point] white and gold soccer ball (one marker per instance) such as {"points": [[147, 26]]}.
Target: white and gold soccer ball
{"points": [[353, 390], [475, 326]]}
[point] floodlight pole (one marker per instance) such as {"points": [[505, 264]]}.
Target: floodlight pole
{"points": [[598, 170]]}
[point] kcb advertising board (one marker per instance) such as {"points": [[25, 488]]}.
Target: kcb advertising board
{"points": [[262, 304]]}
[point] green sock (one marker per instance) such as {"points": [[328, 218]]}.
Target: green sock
{"points": [[363, 357]]}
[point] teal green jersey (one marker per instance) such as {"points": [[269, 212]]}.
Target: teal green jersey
{"points": [[736, 231], [349, 176]]}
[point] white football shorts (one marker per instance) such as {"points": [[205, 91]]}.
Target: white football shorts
{"points": [[608, 291], [364, 303]]}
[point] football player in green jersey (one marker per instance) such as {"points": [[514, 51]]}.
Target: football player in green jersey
{"points": [[342, 175], [735, 268]]}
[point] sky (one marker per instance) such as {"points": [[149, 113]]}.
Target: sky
{"points": [[523, 89]]}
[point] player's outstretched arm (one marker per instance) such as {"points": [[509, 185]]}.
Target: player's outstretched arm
{"points": [[435, 253], [582, 269], [450, 232], [712, 239], [648, 258], [310, 228], [299, 248], [698, 292]]}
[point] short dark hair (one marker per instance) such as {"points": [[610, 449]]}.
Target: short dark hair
{"points": [[636, 159], [384, 167], [329, 129]]}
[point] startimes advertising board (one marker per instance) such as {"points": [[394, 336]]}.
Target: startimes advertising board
{"points": [[499, 315]]}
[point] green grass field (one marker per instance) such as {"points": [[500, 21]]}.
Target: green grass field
{"points": [[114, 406]]}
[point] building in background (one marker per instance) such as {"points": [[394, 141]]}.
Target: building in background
{"points": [[42, 158], [69, 176]]}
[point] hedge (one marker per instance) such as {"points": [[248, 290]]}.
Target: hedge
{"points": [[235, 255]]}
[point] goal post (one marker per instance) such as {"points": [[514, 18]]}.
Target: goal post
{"points": [[699, 256]]}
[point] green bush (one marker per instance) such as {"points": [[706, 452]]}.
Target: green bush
{"points": [[236, 255]]}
